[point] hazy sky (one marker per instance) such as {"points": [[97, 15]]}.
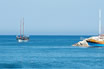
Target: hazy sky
{"points": [[51, 17]]}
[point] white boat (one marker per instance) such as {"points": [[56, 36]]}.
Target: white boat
{"points": [[99, 40], [22, 38]]}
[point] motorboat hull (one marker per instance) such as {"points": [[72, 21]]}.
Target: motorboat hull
{"points": [[95, 44]]}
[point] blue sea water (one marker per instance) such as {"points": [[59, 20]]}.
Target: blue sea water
{"points": [[48, 52]]}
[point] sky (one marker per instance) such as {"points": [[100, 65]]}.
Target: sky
{"points": [[51, 17]]}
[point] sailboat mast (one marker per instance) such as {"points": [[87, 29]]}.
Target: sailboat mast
{"points": [[100, 22], [23, 27], [20, 29]]}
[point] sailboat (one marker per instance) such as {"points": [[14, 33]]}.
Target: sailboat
{"points": [[98, 40], [22, 37]]}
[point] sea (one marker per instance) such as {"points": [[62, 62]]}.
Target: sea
{"points": [[49, 52]]}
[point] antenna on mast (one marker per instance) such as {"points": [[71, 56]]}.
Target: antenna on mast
{"points": [[100, 22]]}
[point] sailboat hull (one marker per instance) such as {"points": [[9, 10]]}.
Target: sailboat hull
{"points": [[22, 39], [19, 40]]}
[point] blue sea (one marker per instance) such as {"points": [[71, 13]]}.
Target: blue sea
{"points": [[48, 52]]}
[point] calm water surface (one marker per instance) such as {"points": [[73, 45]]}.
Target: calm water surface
{"points": [[49, 52]]}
